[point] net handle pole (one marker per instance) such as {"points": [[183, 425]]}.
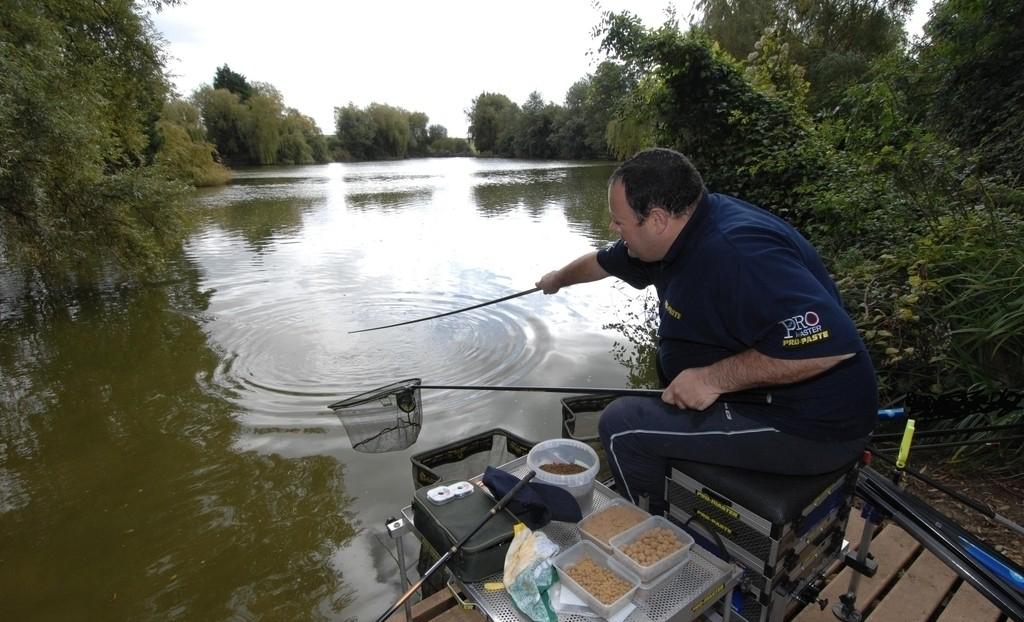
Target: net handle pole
{"points": [[743, 397], [455, 547], [434, 317]]}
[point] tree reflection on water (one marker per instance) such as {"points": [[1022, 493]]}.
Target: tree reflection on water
{"points": [[122, 495]]}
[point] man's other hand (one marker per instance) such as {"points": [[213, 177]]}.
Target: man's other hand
{"points": [[691, 389]]}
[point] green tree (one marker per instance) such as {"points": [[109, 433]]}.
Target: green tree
{"points": [[492, 119], [355, 130], [694, 98], [834, 40], [771, 70], [419, 138], [226, 119], [81, 91], [250, 124], [302, 142], [535, 128], [435, 133], [236, 83], [262, 130], [608, 89], [314, 137], [590, 104], [293, 147], [737, 24], [183, 150], [971, 60], [392, 137], [446, 146], [569, 134]]}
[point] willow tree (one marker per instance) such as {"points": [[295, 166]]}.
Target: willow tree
{"points": [[263, 123], [81, 91], [393, 134], [184, 151]]}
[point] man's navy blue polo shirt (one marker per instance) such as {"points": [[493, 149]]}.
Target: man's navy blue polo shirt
{"points": [[739, 277]]}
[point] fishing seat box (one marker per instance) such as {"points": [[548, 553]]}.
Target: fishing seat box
{"points": [[785, 531], [444, 525]]}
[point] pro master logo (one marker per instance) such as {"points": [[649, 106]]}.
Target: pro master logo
{"points": [[803, 329], [673, 311]]}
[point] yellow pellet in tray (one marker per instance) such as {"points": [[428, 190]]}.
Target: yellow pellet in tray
{"points": [[612, 521], [601, 583], [653, 546]]}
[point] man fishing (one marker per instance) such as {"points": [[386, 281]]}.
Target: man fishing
{"points": [[744, 303]]}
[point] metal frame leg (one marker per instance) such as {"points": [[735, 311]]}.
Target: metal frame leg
{"points": [[846, 610], [727, 605], [396, 528]]}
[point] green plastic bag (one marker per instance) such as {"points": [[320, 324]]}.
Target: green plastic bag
{"points": [[529, 573]]}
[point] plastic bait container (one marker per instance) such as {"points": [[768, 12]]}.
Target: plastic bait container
{"points": [[564, 560], [671, 561], [586, 525], [566, 451]]}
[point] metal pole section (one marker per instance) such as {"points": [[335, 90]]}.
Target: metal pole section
{"points": [[434, 317], [846, 610], [396, 528], [404, 581], [727, 605]]}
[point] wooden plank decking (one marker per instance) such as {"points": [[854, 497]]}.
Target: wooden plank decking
{"points": [[911, 585]]}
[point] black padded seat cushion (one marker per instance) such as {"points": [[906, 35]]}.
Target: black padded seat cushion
{"points": [[776, 498]]}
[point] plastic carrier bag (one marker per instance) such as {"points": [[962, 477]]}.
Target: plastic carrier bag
{"points": [[529, 573]]}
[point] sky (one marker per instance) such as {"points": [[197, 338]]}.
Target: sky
{"points": [[431, 57]]}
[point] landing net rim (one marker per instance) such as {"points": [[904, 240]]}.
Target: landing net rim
{"points": [[376, 394]]}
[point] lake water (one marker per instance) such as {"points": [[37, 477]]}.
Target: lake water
{"points": [[166, 451]]}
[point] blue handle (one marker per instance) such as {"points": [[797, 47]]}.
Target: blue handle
{"points": [[888, 414], [1011, 576]]}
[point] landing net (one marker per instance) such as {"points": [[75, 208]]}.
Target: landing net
{"points": [[384, 419]]}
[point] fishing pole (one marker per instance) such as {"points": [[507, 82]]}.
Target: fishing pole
{"points": [[995, 577], [455, 547], [971, 503], [434, 317], [890, 436], [389, 418], [743, 397]]}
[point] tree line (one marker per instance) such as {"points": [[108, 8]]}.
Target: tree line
{"points": [[249, 124], [901, 162], [576, 130]]}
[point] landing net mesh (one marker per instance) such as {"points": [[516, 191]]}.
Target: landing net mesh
{"points": [[384, 419]]}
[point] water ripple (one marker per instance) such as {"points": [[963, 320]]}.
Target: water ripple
{"points": [[288, 356]]}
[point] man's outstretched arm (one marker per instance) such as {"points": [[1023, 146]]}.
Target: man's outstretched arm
{"points": [[583, 269]]}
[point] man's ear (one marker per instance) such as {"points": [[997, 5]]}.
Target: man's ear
{"points": [[660, 217]]}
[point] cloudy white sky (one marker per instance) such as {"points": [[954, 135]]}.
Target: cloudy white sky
{"points": [[431, 57]]}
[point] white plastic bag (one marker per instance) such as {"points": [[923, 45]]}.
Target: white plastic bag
{"points": [[529, 573]]}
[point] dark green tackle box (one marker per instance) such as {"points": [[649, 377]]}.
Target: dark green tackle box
{"points": [[445, 525]]}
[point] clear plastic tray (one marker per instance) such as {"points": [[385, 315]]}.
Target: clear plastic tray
{"points": [[675, 559], [606, 544], [582, 549], [647, 590]]}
